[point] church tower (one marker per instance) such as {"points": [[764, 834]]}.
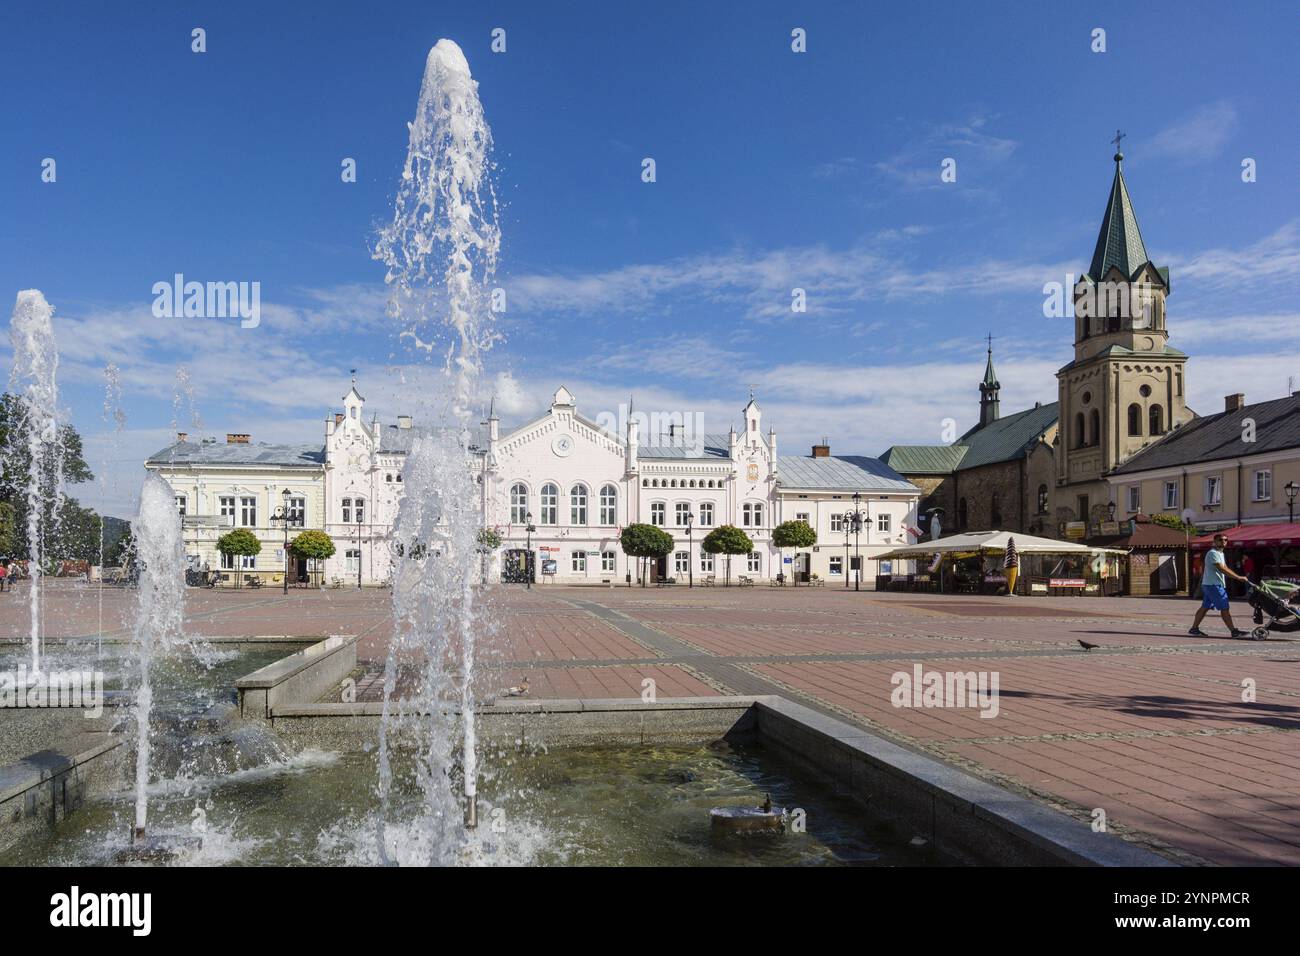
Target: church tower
{"points": [[1125, 387], [989, 389]]}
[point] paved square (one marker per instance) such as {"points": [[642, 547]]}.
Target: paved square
{"points": [[1150, 727]]}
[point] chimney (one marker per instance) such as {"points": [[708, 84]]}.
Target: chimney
{"points": [[182, 436], [338, 418], [233, 438], [823, 450], [403, 421], [1234, 403]]}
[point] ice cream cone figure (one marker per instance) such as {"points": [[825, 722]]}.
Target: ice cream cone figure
{"points": [[1011, 565]]}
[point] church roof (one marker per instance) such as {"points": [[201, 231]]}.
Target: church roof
{"points": [[840, 472], [1277, 426], [1006, 439], [990, 378], [1119, 243], [214, 453]]}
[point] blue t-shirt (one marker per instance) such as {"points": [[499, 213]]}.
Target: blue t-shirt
{"points": [[1213, 573]]}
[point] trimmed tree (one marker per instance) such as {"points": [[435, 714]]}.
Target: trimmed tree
{"points": [[727, 539], [240, 543], [489, 539], [645, 541], [793, 534], [314, 546]]}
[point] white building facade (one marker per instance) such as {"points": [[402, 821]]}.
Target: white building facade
{"points": [[559, 488]]}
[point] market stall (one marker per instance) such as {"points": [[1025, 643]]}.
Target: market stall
{"points": [[975, 563]]}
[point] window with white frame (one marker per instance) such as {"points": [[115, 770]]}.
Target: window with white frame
{"points": [[758, 516], [607, 560], [246, 562], [682, 561], [347, 510], [658, 512], [706, 561], [802, 516], [836, 565], [683, 511], [227, 508], [579, 562], [550, 510], [297, 511], [248, 512], [609, 506], [518, 503], [1171, 495], [1134, 498], [706, 514], [353, 557], [180, 504], [1214, 490], [884, 522], [578, 505], [755, 561], [746, 515], [359, 511], [837, 522], [1263, 485]]}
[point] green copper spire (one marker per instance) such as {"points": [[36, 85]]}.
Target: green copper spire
{"points": [[990, 379], [1120, 241]]}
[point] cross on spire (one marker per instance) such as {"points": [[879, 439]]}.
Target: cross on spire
{"points": [[990, 338], [1118, 136]]}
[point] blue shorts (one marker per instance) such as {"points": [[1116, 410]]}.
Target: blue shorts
{"points": [[1214, 597]]}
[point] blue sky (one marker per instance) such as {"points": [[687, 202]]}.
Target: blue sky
{"points": [[775, 170]]}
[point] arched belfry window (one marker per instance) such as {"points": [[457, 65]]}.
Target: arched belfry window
{"points": [[961, 514], [1156, 420], [1135, 419], [1094, 436], [1080, 437]]}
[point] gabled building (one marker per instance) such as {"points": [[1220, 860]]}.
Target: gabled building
{"points": [[1228, 469], [997, 476]]}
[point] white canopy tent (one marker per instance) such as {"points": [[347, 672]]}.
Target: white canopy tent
{"points": [[992, 541]]}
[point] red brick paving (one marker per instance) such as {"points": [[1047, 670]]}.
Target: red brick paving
{"points": [[1150, 727]]}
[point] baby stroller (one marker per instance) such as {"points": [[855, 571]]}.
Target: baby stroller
{"points": [[1276, 601]]}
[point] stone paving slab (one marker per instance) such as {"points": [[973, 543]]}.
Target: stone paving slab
{"points": [[1151, 727]]}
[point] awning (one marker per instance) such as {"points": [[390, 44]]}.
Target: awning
{"points": [[992, 542], [1281, 535]]}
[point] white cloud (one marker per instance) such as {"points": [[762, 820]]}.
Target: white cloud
{"points": [[1195, 137]]}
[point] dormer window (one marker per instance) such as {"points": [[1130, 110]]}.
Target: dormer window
{"points": [[353, 411]]}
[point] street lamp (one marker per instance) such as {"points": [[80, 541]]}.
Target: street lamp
{"points": [[1291, 489], [289, 516], [848, 525], [528, 557], [856, 517], [690, 549]]}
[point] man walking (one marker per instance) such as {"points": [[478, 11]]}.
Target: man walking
{"points": [[1214, 590]]}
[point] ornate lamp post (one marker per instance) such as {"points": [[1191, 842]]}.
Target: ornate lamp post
{"points": [[528, 557], [856, 518], [288, 516], [690, 550], [1291, 489]]}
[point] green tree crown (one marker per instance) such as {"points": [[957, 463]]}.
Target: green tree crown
{"points": [[727, 539], [794, 534], [645, 541], [316, 545], [240, 542]]}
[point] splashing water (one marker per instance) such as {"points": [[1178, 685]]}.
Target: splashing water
{"points": [[34, 382], [441, 251], [160, 554], [113, 414]]}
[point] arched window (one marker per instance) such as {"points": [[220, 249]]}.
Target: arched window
{"points": [[683, 511], [1134, 419], [578, 505], [758, 516], [609, 505], [1094, 436], [347, 510], [746, 515], [360, 514], [1156, 420], [518, 503], [1042, 499], [1080, 437], [658, 512], [550, 511], [706, 514], [961, 514]]}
